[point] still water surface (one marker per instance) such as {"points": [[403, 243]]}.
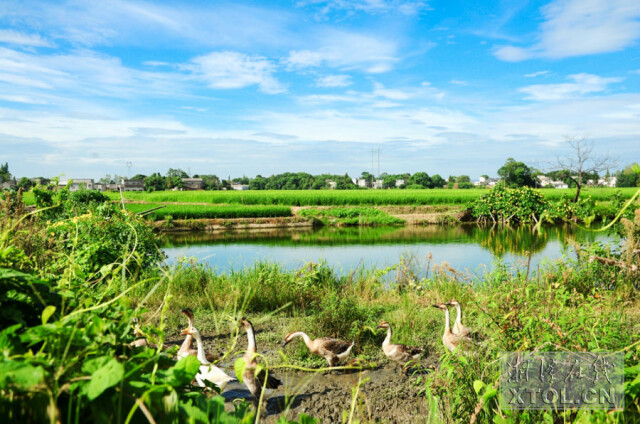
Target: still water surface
{"points": [[464, 247]]}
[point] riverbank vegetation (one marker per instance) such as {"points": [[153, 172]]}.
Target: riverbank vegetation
{"points": [[71, 280], [344, 217], [208, 212]]}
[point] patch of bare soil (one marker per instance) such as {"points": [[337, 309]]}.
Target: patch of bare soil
{"points": [[385, 395]]}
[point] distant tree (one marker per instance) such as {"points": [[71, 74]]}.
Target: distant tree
{"points": [[367, 177], [516, 174], [211, 182], [582, 161], [629, 177], [179, 173], [155, 182], [438, 181], [241, 180], [389, 181], [258, 183], [421, 178], [5, 175], [485, 176], [139, 177], [345, 183], [25, 184]]}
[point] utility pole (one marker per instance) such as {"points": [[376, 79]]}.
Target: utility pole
{"points": [[378, 162], [129, 166]]}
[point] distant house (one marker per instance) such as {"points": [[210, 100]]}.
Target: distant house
{"points": [[399, 182], [608, 181], [112, 187], [100, 186], [361, 182], [332, 184], [237, 186], [486, 182], [9, 185], [377, 184], [193, 184], [545, 181], [76, 184], [132, 185]]}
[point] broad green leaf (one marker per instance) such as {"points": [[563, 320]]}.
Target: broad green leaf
{"points": [[105, 377], [477, 386], [20, 374], [259, 368], [239, 367], [185, 370], [46, 314]]}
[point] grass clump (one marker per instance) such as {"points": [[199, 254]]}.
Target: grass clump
{"points": [[351, 216]]}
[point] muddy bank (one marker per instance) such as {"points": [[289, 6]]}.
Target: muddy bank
{"points": [[385, 395], [180, 225]]}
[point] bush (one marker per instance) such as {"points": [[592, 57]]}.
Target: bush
{"points": [[509, 205]]}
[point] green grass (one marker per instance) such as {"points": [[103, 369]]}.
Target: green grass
{"points": [[210, 212], [351, 216], [348, 197]]}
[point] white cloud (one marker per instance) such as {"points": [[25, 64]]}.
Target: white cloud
{"points": [[14, 37], [368, 6], [345, 50], [582, 84], [459, 82], [580, 27], [334, 81], [226, 70], [536, 74]]}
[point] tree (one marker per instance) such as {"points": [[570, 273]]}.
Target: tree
{"points": [[421, 178], [139, 177], [5, 175], [389, 181], [155, 182], [438, 181], [25, 183], [629, 177], [516, 174], [582, 161]]}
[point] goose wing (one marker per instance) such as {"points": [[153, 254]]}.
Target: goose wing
{"points": [[272, 381], [334, 346], [410, 350]]}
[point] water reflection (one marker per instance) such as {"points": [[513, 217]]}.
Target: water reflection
{"points": [[464, 246]]}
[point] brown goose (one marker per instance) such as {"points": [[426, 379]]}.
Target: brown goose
{"points": [[255, 382], [399, 353], [450, 340], [186, 349], [458, 328], [333, 350]]}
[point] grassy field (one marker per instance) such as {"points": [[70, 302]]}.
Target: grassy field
{"points": [[211, 212], [348, 197]]}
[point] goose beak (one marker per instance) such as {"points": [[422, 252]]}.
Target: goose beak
{"points": [[284, 343], [185, 332], [436, 306]]}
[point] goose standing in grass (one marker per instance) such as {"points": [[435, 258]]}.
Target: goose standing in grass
{"points": [[450, 340], [333, 350], [208, 371], [399, 353], [186, 349], [255, 382], [458, 328]]}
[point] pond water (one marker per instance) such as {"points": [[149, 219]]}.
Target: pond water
{"points": [[464, 247]]}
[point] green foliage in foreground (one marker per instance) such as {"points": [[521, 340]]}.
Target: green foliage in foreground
{"points": [[64, 335], [209, 212], [348, 198], [351, 216]]}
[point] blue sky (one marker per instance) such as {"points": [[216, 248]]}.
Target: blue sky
{"points": [[261, 87]]}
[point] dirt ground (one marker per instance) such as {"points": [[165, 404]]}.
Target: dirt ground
{"points": [[385, 395]]}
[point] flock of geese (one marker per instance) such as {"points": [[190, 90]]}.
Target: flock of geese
{"points": [[333, 350]]}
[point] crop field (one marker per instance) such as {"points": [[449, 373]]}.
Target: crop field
{"points": [[349, 197], [212, 212]]}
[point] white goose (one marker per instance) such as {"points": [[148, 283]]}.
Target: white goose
{"points": [[208, 371], [186, 349]]}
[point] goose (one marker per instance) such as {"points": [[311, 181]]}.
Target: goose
{"points": [[186, 349], [140, 340], [458, 328], [208, 371], [399, 353], [450, 340], [256, 381], [333, 350]]}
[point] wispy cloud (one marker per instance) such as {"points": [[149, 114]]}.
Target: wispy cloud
{"points": [[580, 27], [347, 51], [536, 74], [334, 81], [406, 7], [582, 84], [14, 37], [226, 70]]}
